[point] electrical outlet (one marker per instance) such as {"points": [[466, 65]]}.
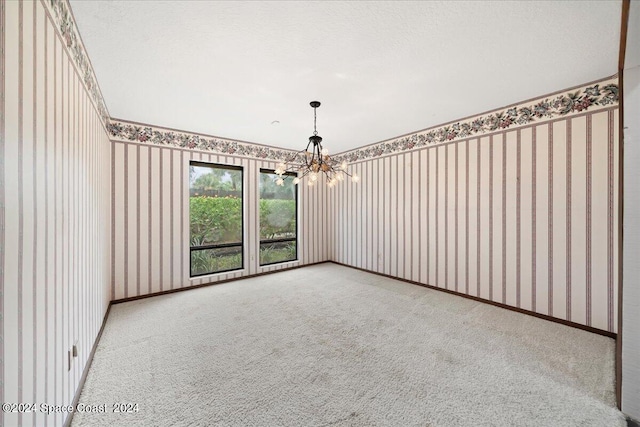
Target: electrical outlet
{"points": [[75, 350]]}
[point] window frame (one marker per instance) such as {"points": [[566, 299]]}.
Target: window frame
{"points": [[291, 239], [197, 163]]}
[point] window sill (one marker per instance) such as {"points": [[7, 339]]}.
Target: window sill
{"points": [[280, 264], [241, 272]]}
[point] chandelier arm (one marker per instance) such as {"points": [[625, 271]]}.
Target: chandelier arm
{"points": [[313, 154], [322, 159], [309, 161]]}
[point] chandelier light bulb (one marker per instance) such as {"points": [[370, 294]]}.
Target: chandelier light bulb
{"points": [[344, 165], [340, 177], [325, 152], [310, 183], [355, 178], [280, 182], [296, 181], [313, 177]]}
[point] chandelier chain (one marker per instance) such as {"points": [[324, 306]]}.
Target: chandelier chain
{"points": [[315, 132]]}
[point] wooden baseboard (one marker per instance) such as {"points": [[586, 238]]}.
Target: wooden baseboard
{"points": [[219, 282], [497, 304]]}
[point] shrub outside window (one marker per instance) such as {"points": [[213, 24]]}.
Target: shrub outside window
{"points": [[278, 219], [215, 215]]}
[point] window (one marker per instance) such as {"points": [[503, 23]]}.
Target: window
{"points": [[215, 210], [278, 219]]}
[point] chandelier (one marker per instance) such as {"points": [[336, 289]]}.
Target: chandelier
{"points": [[314, 162]]}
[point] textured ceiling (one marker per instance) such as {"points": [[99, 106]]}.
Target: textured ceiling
{"points": [[380, 69]]}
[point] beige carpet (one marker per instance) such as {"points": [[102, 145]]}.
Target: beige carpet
{"points": [[332, 346]]}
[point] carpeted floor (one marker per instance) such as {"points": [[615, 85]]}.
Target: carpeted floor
{"points": [[332, 346]]}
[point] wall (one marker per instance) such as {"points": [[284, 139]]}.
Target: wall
{"points": [[55, 209], [515, 207], [631, 250], [151, 207]]}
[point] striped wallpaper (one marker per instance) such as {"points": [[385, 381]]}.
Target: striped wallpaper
{"points": [[55, 254], [151, 218], [523, 217]]}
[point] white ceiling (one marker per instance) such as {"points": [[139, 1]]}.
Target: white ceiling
{"points": [[380, 69]]}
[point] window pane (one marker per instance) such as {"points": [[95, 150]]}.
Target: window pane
{"points": [[278, 215], [205, 261], [277, 207], [271, 253], [215, 203]]}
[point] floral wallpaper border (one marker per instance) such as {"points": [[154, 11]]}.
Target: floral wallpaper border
{"points": [[135, 132], [63, 20], [588, 97]]}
